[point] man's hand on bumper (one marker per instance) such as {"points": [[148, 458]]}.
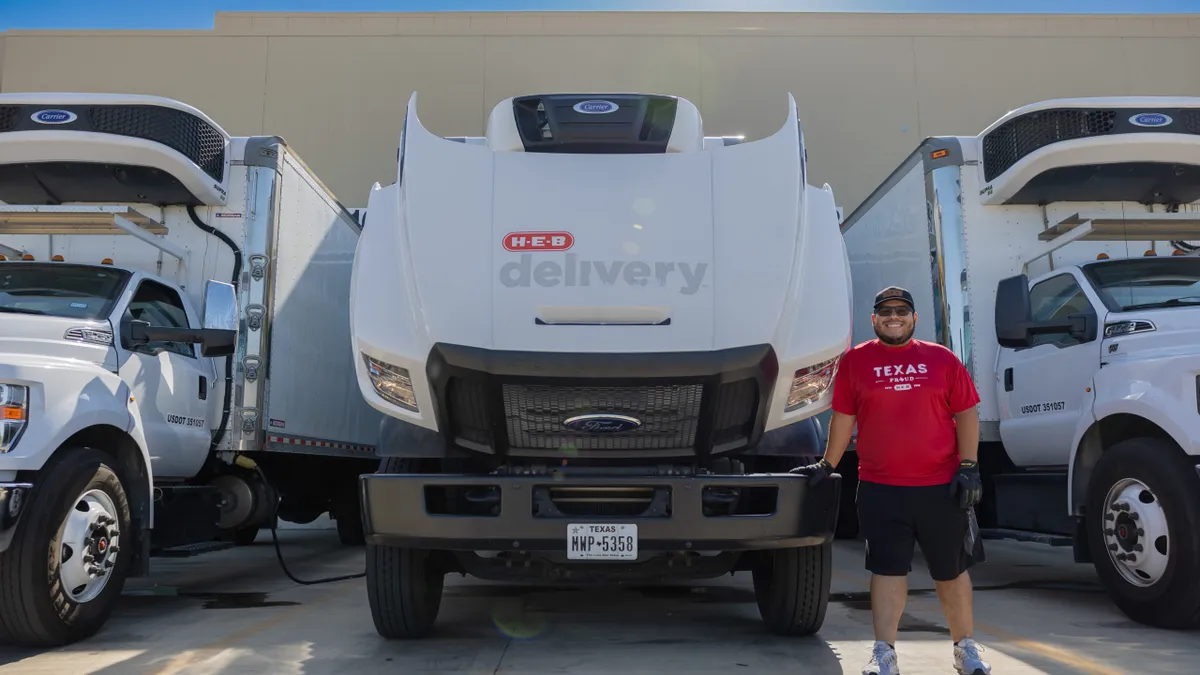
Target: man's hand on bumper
{"points": [[967, 484], [816, 472]]}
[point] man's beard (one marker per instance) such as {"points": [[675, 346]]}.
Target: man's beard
{"points": [[892, 340]]}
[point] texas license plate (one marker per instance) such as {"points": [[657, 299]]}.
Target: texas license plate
{"points": [[597, 541]]}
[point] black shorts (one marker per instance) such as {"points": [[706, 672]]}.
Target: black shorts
{"points": [[893, 518]]}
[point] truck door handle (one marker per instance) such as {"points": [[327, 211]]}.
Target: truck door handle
{"points": [[1008, 379], [203, 388]]}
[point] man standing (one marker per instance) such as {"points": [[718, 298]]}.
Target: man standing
{"points": [[918, 438]]}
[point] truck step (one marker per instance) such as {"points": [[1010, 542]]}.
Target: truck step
{"points": [[1025, 535], [189, 550]]}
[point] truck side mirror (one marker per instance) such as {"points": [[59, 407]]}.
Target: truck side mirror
{"points": [[1013, 312], [1015, 326], [220, 306], [217, 337]]}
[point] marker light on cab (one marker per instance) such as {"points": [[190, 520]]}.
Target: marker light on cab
{"points": [[14, 414]]}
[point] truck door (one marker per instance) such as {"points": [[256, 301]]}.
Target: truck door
{"points": [[1043, 389], [169, 382]]}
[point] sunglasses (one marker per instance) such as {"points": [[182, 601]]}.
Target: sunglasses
{"points": [[893, 311]]}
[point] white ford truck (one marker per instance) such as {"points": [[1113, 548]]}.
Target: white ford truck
{"points": [[174, 350], [600, 339], [1051, 253]]}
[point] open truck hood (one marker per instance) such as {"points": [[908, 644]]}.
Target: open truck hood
{"points": [[633, 263], [619, 238]]}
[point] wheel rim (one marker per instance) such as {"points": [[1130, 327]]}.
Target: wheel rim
{"points": [[1136, 533], [87, 546]]}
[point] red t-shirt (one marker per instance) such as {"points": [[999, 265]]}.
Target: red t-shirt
{"points": [[905, 399]]}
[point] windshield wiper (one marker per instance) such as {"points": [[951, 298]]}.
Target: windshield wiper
{"points": [[20, 310], [1173, 302]]}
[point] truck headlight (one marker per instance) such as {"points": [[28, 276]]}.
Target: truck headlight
{"points": [[392, 383], [14, 414], [810, 384]]}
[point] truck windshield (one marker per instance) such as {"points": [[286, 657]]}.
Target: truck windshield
{"points": [[1146, 283], [59, 289]]}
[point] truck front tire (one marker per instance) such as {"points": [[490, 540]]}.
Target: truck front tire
{"points": [[404, 585], [792, 588], [1143, 509], [76, 525]]}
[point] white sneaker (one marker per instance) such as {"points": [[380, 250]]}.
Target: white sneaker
{"points": [[966, 658], [883, 661]]}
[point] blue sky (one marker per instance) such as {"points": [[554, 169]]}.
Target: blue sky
{"points": [[167, 14]]}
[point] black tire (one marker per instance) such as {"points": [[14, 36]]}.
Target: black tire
{"points": [[35, 609], [347, 515], [245, 536], [350, 529], [791, 586], [404, 586], [1174, 600]]}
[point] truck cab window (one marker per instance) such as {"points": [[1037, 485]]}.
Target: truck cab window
{"points": [[160, 306], [1057, 298], [59, 289], [1146, 283]]}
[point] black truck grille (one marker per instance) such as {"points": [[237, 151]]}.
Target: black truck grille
{"points": [[672, 416], [588, 405], [535, 415]]}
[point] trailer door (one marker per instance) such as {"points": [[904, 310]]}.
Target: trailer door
{"points": [[1043, 389]]}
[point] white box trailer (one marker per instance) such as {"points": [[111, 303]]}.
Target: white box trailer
{"points": [[175, 351], [1051, 253]]}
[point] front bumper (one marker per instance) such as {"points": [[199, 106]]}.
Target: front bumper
{"points": [[525, 517], [13, 498]]}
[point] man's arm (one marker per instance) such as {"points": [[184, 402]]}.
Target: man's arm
{"points": [[840, 428], [967, 428]]}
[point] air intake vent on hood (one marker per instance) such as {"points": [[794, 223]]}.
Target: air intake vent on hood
{"points": [[581, 123]]}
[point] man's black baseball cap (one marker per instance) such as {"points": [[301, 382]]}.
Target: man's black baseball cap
{"points": [[894, 293]]}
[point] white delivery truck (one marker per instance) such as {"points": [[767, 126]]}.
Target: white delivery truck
{"points": [[174, 328], [1051, 253], [600, 340]]}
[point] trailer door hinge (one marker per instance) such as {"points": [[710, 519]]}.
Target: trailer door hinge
{"points": [[254, 316], [258, 266], [252, 364], [249, 420]]}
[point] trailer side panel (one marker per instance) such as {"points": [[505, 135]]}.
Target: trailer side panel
{"points": [[313, 402], [888, 244]]}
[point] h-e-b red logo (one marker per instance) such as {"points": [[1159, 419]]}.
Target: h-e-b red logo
{"points": [[538, 241]]}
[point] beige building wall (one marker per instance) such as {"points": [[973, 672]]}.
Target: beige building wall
{"points": [[869, 86]]}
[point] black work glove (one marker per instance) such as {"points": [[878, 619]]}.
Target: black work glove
{"points": [[967, 484], [815, 472]]}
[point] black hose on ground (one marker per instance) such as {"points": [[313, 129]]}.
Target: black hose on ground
{"points": [[279, 552]]}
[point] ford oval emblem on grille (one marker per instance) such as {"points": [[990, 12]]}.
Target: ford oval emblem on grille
{"points": [[596, 107], [1151, 120], [54, 117], [602, 424]]}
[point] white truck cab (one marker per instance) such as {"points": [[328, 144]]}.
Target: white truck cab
{"points": [[168, 296], [94, 344]]}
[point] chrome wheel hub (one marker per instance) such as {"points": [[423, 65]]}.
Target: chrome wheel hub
{"points": [[88, 545], [1136, 533]]}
